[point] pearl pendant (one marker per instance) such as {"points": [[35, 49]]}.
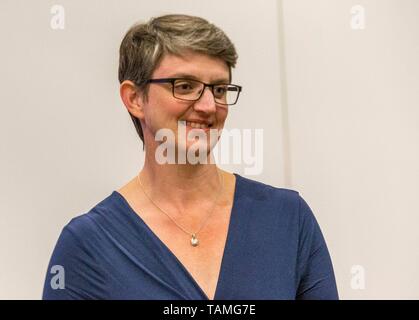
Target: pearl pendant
{"points": [[194, 241]]}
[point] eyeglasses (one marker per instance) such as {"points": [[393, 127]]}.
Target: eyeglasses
{"points": [[192, 90]]}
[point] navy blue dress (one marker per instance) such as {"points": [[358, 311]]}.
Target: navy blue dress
{"points": [[274, 250]]}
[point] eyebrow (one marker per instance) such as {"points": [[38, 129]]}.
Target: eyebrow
{"points": [[192, 77]]}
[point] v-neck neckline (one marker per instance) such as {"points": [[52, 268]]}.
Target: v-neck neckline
{"points": [[176, 259]]}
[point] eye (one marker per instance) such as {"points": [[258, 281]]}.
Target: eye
{"points": [[220, 90], [185, 86]]}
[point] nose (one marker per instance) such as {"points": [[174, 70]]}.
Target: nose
{"points": [[206, 102]]}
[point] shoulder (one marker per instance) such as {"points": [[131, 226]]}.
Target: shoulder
{"points": [[87, 238], [274, 201], [262, 192], [81, 250], [93, 224]]}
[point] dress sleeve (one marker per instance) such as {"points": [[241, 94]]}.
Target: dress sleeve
{"points": [[315, 275], [73, 273]]}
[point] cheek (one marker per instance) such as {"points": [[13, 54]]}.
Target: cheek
{"points": [[175, 110], [222, 114], [163, 112]]}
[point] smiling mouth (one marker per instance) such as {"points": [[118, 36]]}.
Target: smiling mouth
{"points": [[196, 125]]}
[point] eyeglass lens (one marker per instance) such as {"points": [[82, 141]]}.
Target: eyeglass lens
{"points": [[191, 90]]}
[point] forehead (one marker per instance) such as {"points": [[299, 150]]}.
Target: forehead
{"points": [[193, 64]]}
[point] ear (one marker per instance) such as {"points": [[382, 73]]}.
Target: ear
{"points": [[132, 99]]}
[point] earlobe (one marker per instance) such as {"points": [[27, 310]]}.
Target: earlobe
{"points": [[132, 99]]}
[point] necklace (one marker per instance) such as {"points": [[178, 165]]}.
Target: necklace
{"points": [[194, 239]]}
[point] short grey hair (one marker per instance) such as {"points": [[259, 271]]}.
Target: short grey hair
{"points": [[145, 44]]}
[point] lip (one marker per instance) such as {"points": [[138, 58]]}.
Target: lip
{"points": [[192, 128], [208, 123]]}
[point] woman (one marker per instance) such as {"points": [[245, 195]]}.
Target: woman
{"points": [[188, 230]]}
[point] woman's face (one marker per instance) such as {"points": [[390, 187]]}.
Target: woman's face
{"points": [[163, 110]]}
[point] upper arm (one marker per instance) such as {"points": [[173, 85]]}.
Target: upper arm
{"points": [[82, 275], [314, 266]]}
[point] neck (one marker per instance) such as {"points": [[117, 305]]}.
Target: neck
{"points": [[181, 187]]}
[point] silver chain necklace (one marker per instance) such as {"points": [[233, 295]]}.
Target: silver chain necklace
{"points": [[194, 239]]}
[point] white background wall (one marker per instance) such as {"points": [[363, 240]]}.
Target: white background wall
{"points": [[338, 108], [353, 107]]}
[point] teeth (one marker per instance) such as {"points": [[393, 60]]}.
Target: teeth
{"points": [[196, 125]]}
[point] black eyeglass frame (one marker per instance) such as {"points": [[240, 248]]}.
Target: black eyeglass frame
{"points": [[211, 86]]}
